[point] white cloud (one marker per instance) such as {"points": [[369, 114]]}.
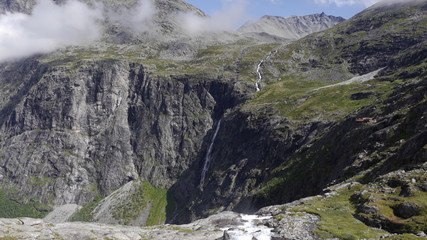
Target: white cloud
{"points": [[341, 3], [142, 15], [231, 16], [139, 18], [49, 27], [52, 26]]}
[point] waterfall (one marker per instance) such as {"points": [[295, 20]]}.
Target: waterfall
{"points": [[258, 70], [250, 229], [208, 154]]}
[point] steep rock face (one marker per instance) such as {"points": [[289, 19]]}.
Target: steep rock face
{"points": [[287, 160], [249, 146], [63, 111], [76, 131], [293, 28]]}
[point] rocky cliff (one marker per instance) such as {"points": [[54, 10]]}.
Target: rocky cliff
{"points": [[292, 28], [294, 143], [73, 132], [125, 128]]}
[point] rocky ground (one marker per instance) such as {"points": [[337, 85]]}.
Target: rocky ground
{"points": [[28, 228], [219, 226]]}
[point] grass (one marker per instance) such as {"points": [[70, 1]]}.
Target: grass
{"points": [[132, 208], [405, 237], [293, 98], [217, 61], [162, 204], [180, 229], [387, 202], [9, 238], [336, 217], [159, 201], [250, 58], [13, 209], [85, 213]]}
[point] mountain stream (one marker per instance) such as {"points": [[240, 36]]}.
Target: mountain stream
{"points": [[258, 70], [251, 229]]}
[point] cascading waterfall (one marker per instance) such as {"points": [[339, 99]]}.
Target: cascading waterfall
{"points": [[258, 70], [251, 229], [208, 154]]}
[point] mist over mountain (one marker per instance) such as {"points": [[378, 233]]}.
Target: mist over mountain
{"points": [[143, 114]]}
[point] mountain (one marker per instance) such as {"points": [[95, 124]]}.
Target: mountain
{"points": [[293, 28], [326, 134], [127, 22]]}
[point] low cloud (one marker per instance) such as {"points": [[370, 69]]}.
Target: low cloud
{"points": [[139, 18], [341, 3], [52, 26], [49, 27], [231, 16]]}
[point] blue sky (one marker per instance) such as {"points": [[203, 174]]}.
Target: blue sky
{"points": [[257, 8]]}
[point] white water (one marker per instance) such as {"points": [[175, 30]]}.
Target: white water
{"points": [[250, 229], [208, 154], [258, 70]]}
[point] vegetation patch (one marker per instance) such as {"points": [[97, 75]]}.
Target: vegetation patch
{"points": [[180, 229], [40, 180], [158, 202], [13, 209], [336, 217], [162, 204], [405, 237], [297, 99], [85, 213], [400, 205]]}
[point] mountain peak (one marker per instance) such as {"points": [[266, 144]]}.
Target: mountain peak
{"points": [[293, 27], [26, 6]]}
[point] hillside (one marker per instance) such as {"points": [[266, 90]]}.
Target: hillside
{"points": [[292, 28], [162, 126]]}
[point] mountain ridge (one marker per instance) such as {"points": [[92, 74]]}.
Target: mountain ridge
{"points": [[293, 27]]}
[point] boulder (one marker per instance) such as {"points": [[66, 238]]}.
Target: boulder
{"points": [[368, 209], [407, 210]]}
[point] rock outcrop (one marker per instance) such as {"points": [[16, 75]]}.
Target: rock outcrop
{"points": [[28, 228], [72, 132], [291, 28]]}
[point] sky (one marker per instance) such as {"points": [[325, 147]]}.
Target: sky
{"points": [[258, 8]]}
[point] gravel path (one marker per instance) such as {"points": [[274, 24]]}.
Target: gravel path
{"points": [[358, 79]]}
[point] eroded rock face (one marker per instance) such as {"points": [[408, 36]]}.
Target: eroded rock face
{"points": [[86, 129], [293, 28], [66, 116]]}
